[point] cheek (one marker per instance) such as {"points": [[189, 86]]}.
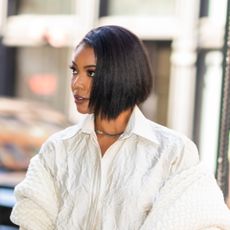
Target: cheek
{"points": [[72, 85], [89, 84]]}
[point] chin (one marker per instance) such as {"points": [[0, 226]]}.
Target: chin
{"points": [[83, 110]]}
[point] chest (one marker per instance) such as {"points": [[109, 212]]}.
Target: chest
{"points": [[105, 143], [123, 182]]}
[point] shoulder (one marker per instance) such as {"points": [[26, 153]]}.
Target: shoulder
{"points": [[156, 133], [169, 137], [175, 148], [52, 153], [54, 147], [65, 134], [61, 136]]}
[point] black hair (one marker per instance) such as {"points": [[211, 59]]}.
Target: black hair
{"points": [[123, 75]]}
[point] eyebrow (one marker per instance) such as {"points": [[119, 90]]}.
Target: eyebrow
{"points": [[74, 63], [87, 66]]}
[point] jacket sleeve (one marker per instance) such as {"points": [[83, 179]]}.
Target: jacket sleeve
{"points": [[36, 205], [190, 200]]}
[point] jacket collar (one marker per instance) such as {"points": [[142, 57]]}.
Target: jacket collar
{"points": [[138, 124]]}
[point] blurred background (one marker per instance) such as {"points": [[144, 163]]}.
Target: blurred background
{"points": [[187, 44]]}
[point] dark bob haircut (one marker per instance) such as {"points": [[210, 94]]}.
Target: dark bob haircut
{"points": [[123, 76]]}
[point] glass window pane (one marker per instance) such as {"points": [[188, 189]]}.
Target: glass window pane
{"points": [[46, 7], [217, 10], [155, 107], [140, 7], [42, 75]]}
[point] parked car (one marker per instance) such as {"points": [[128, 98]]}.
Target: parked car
{"points": [[24, 126]]}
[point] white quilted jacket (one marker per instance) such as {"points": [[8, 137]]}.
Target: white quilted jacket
{"points": [[150, 179]]}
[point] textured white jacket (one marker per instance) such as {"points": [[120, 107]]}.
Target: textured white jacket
{"points": [[150, 179]]}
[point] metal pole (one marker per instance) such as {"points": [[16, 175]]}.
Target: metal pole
{"points": [[222, 172]]}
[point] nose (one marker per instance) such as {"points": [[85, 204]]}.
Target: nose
{"points": [[77, 82]]}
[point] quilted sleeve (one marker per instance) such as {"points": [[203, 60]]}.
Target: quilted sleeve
{"points": [[36, 205], [190, 200]]}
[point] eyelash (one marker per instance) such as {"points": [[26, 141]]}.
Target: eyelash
{"points": [[90, 73], [74, 71]]}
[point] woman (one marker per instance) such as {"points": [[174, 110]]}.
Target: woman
{"points": [[116, 169]]}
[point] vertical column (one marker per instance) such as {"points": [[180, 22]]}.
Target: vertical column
{"points": [[209, 116], [183, 71], [3, 14], [88, 11]]}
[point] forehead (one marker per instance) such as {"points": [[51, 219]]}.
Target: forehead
{"points": [[84, 53]]}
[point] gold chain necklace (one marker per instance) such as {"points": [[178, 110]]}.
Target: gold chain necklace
{"points": [[107, 134]]}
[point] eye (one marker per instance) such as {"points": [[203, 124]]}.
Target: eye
{"points": [[74, 71], [91, 73]]}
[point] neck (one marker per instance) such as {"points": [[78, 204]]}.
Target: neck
{"points": [[99, 132], [114, 127]]}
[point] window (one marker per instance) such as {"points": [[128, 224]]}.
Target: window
{"points": [[137, 7]]}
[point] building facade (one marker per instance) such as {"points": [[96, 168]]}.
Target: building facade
{"points": [[184, 39]]}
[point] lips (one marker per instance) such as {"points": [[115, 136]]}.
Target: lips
{"points": [[79, 99]]}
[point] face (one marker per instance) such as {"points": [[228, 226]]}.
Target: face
{"points": [[83, 70]]}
